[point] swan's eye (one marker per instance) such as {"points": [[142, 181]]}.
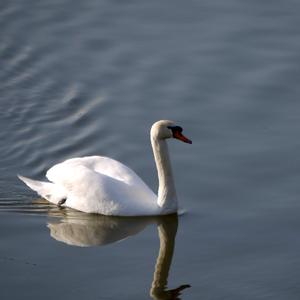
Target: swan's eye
{"points": [[177, 134], [175, 129]]}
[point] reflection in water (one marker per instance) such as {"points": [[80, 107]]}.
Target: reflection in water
{"points": [[78, 229], [167, 229]]}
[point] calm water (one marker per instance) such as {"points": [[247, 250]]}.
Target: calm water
{"points": [[90, 77]]}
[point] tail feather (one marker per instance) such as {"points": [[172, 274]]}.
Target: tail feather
{"points": [[47, 190]]}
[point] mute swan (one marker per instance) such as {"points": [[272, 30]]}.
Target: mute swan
{"points": [[97, 184]]}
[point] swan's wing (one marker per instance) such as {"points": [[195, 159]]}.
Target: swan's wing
{"points": [[99, 164], [87, 190], [103, 185]]}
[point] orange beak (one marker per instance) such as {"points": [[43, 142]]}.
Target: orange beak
{"points": [[178, 135]]}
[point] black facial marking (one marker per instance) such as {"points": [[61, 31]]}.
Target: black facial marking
{"points": [[175, 129]]}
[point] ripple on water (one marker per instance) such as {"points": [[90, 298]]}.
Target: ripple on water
{"points": [[56, 132], [36, 207]]}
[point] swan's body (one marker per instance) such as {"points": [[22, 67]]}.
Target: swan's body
{"points": [[97, 184]]}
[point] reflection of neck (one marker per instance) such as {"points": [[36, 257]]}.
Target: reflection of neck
{"points": [[167, 232], [167, 199]]}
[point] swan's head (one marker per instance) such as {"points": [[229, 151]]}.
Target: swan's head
{"points": [[165, 129]]}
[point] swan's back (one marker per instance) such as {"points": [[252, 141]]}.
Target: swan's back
{"points": [[104, 185], [100, 164]]}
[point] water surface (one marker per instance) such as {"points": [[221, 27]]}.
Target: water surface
{"points": [[89, 78]]}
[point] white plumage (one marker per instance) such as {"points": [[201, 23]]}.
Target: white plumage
{"points": [[97, 184]]}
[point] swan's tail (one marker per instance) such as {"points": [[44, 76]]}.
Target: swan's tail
{"points": [[47, 190]]}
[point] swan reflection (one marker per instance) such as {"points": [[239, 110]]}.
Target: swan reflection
{"points": [[85, 230], [78, 229]]}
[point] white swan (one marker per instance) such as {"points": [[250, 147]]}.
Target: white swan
{"points": [[102, 185]]}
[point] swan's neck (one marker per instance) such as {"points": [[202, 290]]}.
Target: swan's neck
{"points": [[166, 198]]}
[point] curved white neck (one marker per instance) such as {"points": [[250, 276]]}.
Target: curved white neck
{"points": [[166, 196]]}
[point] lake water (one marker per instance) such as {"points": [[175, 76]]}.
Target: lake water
{"points": [[90, 77]]}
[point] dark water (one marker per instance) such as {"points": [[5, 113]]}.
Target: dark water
{"points": [[90, 77]]}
